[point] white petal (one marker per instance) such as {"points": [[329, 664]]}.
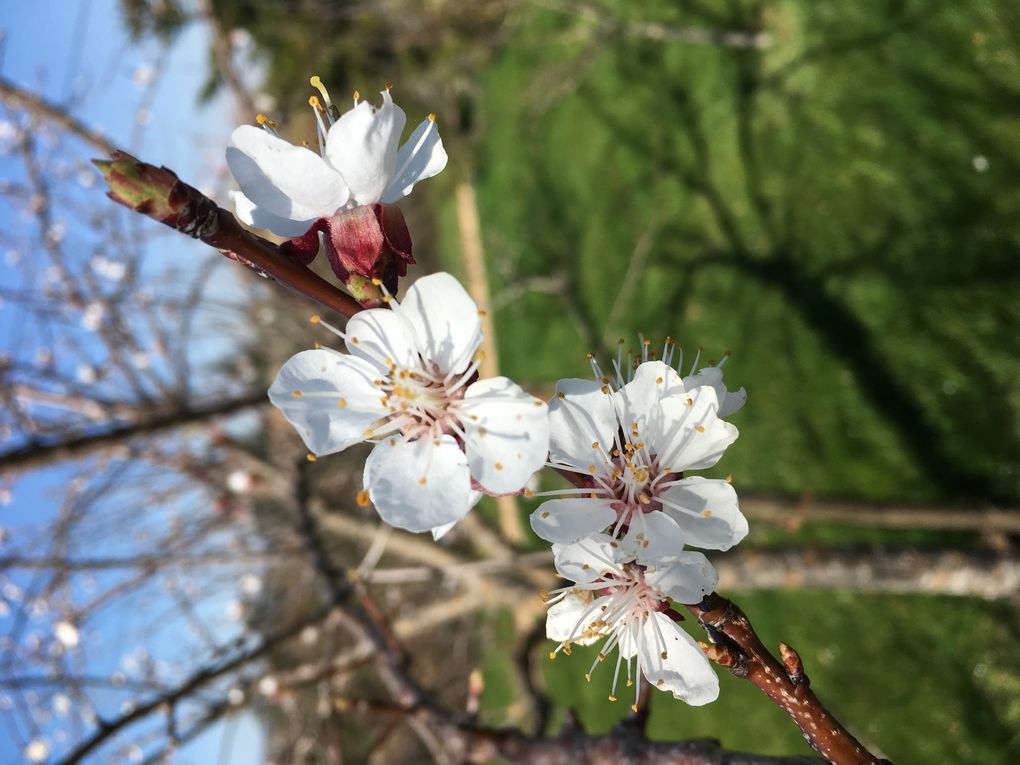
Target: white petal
{"points": [[445, 321], [639, 401], [582, 417], [441, 531], [685, 672], [362, 146], [651, 537], [289, 181], [507, 434], [586, 560], [419, 485], [421, 157], [687, 578], [567, 619], [568, 520], [729, 401], [691, 437], [381, 336], [260, 217], [337, 401], [715, 521]]}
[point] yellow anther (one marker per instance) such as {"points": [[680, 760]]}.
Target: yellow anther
{"points": [[567, 649], [700, 428], [296, 394], [482, 313], [545, 514], [362, 498], [630, 683], [264, 120], [315, 319], [390, 86], [587, 676], [499, 466], [707, 513], [663, 655], [560, 396], [377, 282], [342, 402], [594, 444], [356, 96], [605, 389], [316, 83], [432, 117], [729, 478], [612, 697], [633, 707], [543, 595], [528, 493], [315, 103], [552, 655], [310, 457], [422, 481]]}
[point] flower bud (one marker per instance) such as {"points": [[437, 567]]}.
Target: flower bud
{"points": [[366, 243]]}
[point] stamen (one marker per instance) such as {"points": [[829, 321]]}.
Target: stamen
{"points": [[316, 83]]}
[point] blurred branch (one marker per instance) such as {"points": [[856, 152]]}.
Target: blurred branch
{"points": [[41, 453], [47, 110], [622, 746], [108, 728], [737, 647], [793, 511], [651, 30], [222, 53]]}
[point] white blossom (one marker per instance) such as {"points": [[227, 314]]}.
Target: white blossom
{"points": [[629, 451], [286, 188], [409, 386], [623, 604]]}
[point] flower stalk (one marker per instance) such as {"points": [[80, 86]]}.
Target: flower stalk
{"points": [[158, 193]]}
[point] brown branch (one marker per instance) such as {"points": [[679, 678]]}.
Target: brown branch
{"points": [[623, 746], [738, 648], [40, 107], [44, 452], [160, 194]]}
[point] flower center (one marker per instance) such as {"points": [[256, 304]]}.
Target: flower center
{"points": [[419, 402]]}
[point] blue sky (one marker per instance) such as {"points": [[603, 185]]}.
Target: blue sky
{"points": [[78, 52]]}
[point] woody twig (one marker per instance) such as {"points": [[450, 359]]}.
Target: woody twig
{"points": [[736, 646]]}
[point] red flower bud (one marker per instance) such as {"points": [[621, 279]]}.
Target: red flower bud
{"points": [[371, 242]]}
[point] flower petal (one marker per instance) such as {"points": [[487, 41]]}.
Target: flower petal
{"points": [[638, 402], [566, 620], [714, 520], [568, 520], [581, 415], [691, 435], [651, 537], [586, 560], [419, 485], [362, 146], [729, 401], [687, 578], [288, 181], [421, 157], [507, 433], [444, 321], [328, 397], [379, 336], [685, 672], [441, 531], [259, 217]]}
